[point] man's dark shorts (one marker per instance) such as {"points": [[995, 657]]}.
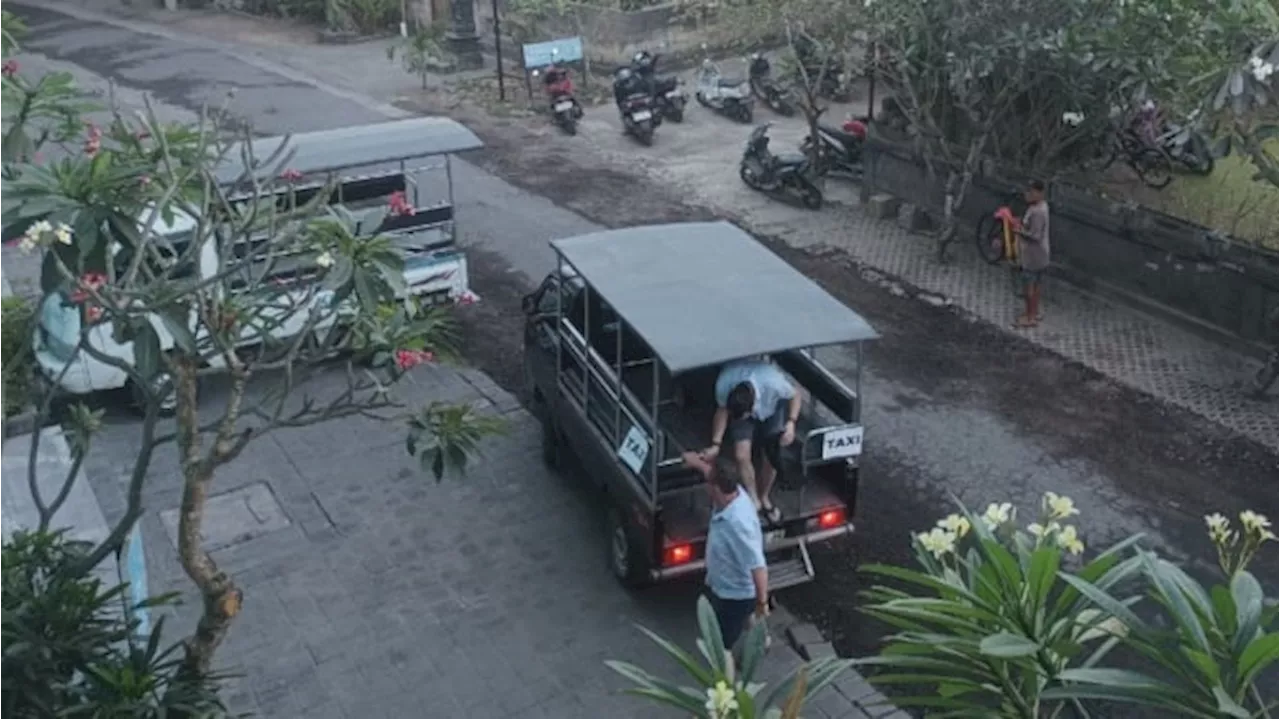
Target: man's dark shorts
{"points": [[732, 615], [765, 435]]}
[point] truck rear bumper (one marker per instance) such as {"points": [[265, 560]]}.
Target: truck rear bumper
{"points": [[700, 565]]}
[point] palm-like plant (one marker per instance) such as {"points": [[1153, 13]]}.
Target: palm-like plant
{"points": [[723, 687]]}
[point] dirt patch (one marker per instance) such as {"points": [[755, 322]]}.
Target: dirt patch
{"points": [[1172, 461]]}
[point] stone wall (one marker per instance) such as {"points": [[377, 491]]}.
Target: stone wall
{"points": [[610, 36], [1145, 256]]}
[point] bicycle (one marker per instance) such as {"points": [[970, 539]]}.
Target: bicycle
{"points": [[997, 239]]}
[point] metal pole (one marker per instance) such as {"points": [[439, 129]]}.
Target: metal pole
{"points": [[497, 49], [871, 83]]}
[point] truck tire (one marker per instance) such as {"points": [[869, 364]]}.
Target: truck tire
{"points": [[626, 556]]}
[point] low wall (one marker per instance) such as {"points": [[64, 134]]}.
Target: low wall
{"points": [[1228, 285], [610, 36]]}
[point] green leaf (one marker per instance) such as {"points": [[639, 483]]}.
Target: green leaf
{"points": [[710, 641], [683, 658], [1008, 646], [1203, 663], [339, 274], [1248, 596], [1043, 571], [1229, 706], [146, 351], [1260, 654], [1224, 609], [1104, 601]]}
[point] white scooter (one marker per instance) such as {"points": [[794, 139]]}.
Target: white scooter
{"points": [[730, 97]]}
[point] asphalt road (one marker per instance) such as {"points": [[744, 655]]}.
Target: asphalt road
{"points": [[953, 408]]}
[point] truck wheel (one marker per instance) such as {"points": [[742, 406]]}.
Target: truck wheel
{"points": [[626, 558]]}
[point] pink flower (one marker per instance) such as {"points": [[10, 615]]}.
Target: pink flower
{"points": [[10, 68], [93, 139], [290, 175], [408, 359], [89, 282], [92, 313], [399, 204]]}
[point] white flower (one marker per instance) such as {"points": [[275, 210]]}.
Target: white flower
{"points": [[40, 228], [26, 244], [955, 524], [1068, 540], [62, 234], [721, 701], [998, 514], [1254, 521], [325, 260], [1072, 119], [937, 541], [1039, 531], [1059, 507], [1261, 69]]}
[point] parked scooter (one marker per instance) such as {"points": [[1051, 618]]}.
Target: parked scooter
{"points": [[838, 150], [668, 95], [730, 97], [827, 70], [763, 86], [635, 105], [785, 174], [558, 85]]}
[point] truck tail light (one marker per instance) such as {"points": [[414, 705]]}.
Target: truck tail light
{"points": [[679, 554], [831, 518]]}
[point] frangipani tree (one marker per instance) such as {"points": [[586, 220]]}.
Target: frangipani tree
{"points": [[234, 322]]}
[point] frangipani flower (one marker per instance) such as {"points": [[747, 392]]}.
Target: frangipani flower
{"points": [[955, 524], [937, 541], [1040, 531], [722, 702], [998, 514], [1257, 524], [1059, 507], [1068, 540], [325, 260]]}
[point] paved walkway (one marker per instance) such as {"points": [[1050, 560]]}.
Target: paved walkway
{"points": [[372, 591]]}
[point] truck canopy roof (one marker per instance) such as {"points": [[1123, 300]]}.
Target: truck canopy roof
{"points": [[703, 293], [350, 147]]}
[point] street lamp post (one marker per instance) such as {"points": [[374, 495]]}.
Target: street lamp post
{"points": [[461, 36]]}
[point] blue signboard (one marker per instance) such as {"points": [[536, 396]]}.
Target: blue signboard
{"points": [[541, 54]]}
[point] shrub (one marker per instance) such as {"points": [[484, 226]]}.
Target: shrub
{"points": [[16, 326]]}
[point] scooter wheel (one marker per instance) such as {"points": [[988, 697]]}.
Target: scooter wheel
{"points": [[811, 196], [701, 100], [570, 126], [745, 114], [748, 177], [675, 114]]}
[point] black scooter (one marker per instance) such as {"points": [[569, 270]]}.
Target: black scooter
{"points": [[838, 150], [786, 174], [763, 86], [668, 96], [640, 116]]}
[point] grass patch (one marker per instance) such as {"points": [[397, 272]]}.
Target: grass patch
{"points": [[16, 326], [1229, 200]]}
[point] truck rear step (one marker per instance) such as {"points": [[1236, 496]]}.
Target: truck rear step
{"points": [[795, 568]]}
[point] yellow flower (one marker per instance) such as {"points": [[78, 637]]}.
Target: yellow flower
{"points": [[937, 541], [63, 234], [1059, 507], [997, 514], [955, 524], [1068, 540], [721, 701], [1254, 522]]}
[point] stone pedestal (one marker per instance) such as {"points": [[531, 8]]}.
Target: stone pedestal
{"points": [[461, 37]]}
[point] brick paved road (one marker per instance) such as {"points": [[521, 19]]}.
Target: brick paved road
{"points": [[371, 591]]}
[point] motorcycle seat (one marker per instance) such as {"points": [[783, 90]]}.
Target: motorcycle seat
{"points": [[840, 134], [730, 82], [790, 158]]}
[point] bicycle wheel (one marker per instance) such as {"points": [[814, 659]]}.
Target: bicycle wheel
{"points": [[1153, 167], [990, 239]]}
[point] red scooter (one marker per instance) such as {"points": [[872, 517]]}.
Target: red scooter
{"points": [[558, 85]]}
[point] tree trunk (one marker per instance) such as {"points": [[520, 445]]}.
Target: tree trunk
{"points": [[221, 597], [957, 188]]}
